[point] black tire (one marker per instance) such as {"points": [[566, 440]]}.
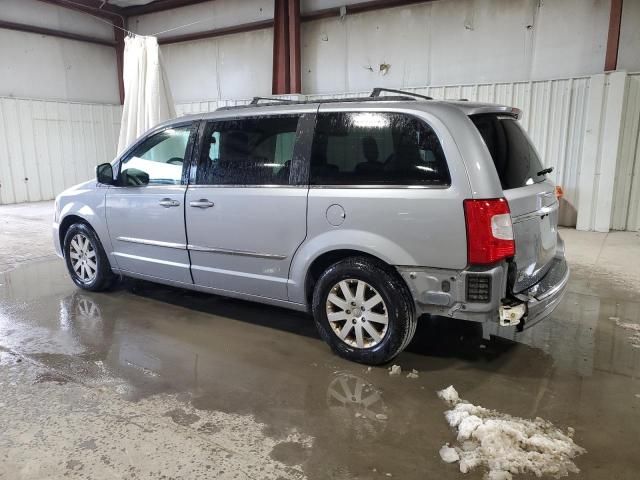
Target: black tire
{"points": [[400, 309], [104, 277]]}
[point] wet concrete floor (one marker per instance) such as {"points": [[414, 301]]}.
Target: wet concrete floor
{"points": [[149, 380]]}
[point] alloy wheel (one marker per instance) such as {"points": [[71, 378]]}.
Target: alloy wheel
{"points": [[357, 313], [83, 258]]}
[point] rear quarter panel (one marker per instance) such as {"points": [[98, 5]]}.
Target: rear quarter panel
{"points": [[413, 226]]}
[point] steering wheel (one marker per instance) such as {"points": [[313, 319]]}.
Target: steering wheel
{"points": [[175, 161]]}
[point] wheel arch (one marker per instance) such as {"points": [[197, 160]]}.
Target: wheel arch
{"points": [[66, 223], [338, 244]]}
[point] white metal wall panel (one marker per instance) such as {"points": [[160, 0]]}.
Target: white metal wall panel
{"points": [[575, 124], [626, 210], [47, 146]]}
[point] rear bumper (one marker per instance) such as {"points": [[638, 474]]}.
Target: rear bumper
{"points": [[543, 298]]}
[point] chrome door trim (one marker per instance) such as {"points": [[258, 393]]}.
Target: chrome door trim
{"points": [[155, 243], [169, 202], [242, 253], [543, 212], [202, 203]]}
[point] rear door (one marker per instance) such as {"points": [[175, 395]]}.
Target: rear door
{"points": [[246, 212], [531, 196]]}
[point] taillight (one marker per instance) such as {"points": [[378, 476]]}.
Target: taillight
{"points": [[489, 231]]}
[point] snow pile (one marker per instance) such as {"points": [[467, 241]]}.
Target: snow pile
{"points": [[506, 445], [413, 374], [633, 327], [395, 370]]}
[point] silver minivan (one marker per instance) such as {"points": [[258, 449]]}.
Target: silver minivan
{"points": [[368, 212]]}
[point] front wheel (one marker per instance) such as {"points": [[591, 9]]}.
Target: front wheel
{"points": [[86, 260], [363, 311]]}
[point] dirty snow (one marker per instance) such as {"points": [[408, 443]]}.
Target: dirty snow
{"points": [[449, 395], [395, 370], [413, 374], [632, 327], [506, 445], [448, 454]]}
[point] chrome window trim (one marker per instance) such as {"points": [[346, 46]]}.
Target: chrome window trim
{"points": [[247, 186], [176, 186], [242, 253], [409, 187], [155, 243]]}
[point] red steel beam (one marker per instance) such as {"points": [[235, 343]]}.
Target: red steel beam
{"points": [[280, 80], [295, 80], [118, 34], [613, 39], [217, 32], [20, 27]]}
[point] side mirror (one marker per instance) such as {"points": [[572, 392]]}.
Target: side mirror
{"points": [[104, 174]]}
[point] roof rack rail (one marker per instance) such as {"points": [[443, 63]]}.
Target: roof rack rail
{"points": [[256, 100], [269, 101], [378, 90]]}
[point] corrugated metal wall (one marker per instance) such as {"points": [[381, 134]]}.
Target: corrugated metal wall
{"points": [[47, 146], [554, 115], [626, 209]]}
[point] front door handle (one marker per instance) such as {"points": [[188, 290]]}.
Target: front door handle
{"points": [[169, 202], [202, 203]]}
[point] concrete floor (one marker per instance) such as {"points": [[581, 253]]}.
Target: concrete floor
{"points": [[149, 381]]}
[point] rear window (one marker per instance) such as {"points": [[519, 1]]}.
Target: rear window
{"points": [[514, 156], [376, 148]]}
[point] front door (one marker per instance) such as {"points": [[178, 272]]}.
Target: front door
{"points": [[246, 213], [145, 210]]}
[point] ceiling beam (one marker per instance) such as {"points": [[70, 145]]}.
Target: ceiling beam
{"points": [[20, 27], [93, 7], [358, 8], [158, 6], [216, 32]]}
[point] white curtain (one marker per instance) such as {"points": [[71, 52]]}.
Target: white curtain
{"points": [[147, 96]]}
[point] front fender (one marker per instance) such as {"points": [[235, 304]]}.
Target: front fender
{"points": [[88, 203], [362, 241]]}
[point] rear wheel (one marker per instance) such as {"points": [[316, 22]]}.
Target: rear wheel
{"points": [[363, 311], [86, 260]]}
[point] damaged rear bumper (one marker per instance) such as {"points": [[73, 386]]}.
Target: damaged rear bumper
{"points": [[543, 298], [430, 296]]}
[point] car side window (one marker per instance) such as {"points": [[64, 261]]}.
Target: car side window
{"points": [[158, 160], [248, 151], [376, 148]]}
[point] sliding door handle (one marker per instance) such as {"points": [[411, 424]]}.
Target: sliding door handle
{"points": [[202, 203], [169, 202]]}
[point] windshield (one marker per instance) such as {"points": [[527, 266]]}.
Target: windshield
{"points": [[514, 156]]}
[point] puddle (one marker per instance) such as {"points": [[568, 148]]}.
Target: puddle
{"points": [[215, 356]]}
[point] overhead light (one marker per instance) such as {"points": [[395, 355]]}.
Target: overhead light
{"points": [[369, 120]]}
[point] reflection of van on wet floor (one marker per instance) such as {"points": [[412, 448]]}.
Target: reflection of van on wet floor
{"points": [[367, 212]]}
